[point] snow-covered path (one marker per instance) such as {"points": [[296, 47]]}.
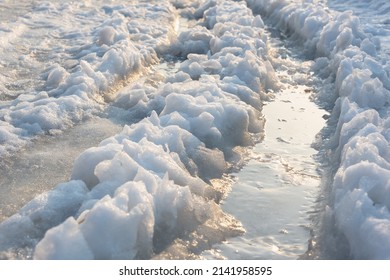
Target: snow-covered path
{"points": [[143, 111]]}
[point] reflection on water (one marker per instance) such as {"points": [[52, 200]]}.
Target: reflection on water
{"points": [[275, 192]]}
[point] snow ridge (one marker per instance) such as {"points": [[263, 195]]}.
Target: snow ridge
{"points": [[147, 191], [78, 82], [348, 59]]}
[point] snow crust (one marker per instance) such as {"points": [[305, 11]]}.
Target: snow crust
{"points": [[348, 58]]}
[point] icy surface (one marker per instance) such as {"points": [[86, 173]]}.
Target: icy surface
{"points": [[46, 163], [347, 56], [148, 190]]}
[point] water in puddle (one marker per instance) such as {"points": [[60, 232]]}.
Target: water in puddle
{"points": [[275, 192]]}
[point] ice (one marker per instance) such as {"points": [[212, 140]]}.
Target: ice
{"points": [[151, 182], [84, 166], [112, 49], [196, 40], [60, 244], [373, 15], [364, 90], [351, 58], [9, 140], [134, 213], [56, 77], [147, 189], [43, 212], [107, 35]]}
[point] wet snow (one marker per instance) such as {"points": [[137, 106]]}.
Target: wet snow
{"points": [[177, 147]]}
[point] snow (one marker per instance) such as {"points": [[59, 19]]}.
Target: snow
{"points": [[110, 52], [361, 98], [138, 192], [150, 181]]}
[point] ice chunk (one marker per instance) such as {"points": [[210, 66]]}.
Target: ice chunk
{"points": [[106, 35], [40, 214], [65, 242], [196, 40], [85, 164]]}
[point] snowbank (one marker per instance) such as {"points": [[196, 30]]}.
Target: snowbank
{"points": [[124, 42], [348, 59], [148, 189]]}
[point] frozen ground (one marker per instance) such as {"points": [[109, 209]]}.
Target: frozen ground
{"points": [[194, 129]]}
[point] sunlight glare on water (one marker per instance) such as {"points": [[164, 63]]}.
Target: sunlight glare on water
{"points": [[275, 192]]}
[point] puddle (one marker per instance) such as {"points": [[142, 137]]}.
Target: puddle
{"points": [[275, 192]]}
